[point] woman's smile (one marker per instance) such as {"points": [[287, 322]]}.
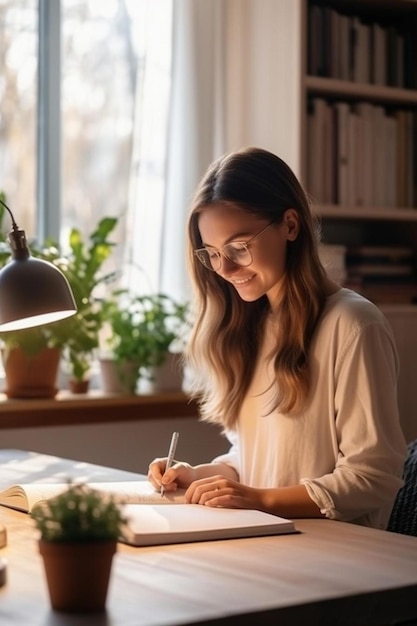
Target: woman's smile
{"points": [[241, 281]]}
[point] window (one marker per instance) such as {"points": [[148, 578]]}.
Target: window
{"points": [[113, 94], [18, 108]]}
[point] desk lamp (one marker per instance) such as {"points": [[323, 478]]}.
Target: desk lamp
{"points": [[32, 291]]}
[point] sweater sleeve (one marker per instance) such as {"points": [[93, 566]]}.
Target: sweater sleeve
{"points": [[372, 449], [231, 457]]}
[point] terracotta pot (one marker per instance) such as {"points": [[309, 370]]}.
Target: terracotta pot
{"points": [[78, 386], [31, 376], [78, 574]]}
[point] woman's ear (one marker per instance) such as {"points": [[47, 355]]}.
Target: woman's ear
{"points": [[292, 222]]}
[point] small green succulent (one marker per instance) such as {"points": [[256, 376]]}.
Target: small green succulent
{"points": [[79, 514]]}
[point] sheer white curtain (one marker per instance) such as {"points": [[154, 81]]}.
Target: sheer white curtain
{"points": [[147, 171], [196, 131], [184, 143]]}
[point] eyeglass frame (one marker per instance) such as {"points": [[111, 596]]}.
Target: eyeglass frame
{"points": [[220, 251]]}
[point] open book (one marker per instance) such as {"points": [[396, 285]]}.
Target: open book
{"points": [[23, 497], [151, 522]]}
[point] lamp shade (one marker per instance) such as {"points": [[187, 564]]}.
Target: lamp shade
{"points": [[33, 292]]}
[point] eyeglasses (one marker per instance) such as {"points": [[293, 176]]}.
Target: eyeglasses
{"points": [[237, 252]]}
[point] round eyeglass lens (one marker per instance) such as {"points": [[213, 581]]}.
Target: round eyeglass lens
{"points": [[208, 259], [238, 253]]}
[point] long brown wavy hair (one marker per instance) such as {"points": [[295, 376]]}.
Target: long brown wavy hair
{"points": [[227, 331]]}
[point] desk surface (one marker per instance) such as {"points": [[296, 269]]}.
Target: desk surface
{"points": [[331, 573]]}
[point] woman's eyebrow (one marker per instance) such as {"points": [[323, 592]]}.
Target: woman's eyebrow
{"points": [[236, 237]]}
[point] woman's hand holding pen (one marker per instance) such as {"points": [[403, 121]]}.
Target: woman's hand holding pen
{"points": [[179, 475]]}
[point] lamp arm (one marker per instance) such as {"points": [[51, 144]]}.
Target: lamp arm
{"points": [[14, 225], [17, 238]]}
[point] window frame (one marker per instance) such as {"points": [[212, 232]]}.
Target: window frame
{"points": [[48, 153]]}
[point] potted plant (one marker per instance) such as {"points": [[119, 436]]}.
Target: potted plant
{"points": [[76, 337], [79, 530], [83, 268], [142, 331], [31, 359]]}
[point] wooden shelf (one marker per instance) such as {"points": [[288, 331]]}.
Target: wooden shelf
{"points": [[318, 85], [94, 407], [366, 213]]}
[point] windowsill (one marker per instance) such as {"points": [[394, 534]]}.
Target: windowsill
{"points": [[93, 407]]}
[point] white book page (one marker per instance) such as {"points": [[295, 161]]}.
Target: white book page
{"points": [[155, 524], [24, 496]]}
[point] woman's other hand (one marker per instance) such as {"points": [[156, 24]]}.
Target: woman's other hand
{"points": [[224, 492]]}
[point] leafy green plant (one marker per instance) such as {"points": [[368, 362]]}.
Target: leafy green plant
{"points": [[79, 514], [82, 267], [143, 328]]}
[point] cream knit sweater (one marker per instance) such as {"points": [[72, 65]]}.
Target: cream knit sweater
{"points": [[347, 446]]}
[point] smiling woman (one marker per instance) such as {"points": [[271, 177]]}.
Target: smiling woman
{"points": [[284, 360]]}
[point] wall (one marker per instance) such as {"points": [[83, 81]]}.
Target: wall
{"points": [[263, 67], [125, 445], [403, 321]]}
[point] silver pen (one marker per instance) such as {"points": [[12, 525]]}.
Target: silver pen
{"points": [[171, 455]]}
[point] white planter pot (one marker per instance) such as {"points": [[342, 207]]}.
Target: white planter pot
{"points": [[167, 377], [118, 377]]}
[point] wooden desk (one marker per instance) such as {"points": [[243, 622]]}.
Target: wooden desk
{"points": [[330, 574]]}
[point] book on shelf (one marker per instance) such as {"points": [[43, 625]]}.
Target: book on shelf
{"points": [[390, 161], [152, 522], [342, 26], [320, 150], [343, 159], [378, 55], [361, 54], [394, 57]]}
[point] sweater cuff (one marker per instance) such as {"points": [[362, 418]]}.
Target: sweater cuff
{"points": [[321, 498]]}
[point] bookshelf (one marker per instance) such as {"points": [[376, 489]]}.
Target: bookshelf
{"points": [[268, 92], [368, 163], [359, 145]]}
